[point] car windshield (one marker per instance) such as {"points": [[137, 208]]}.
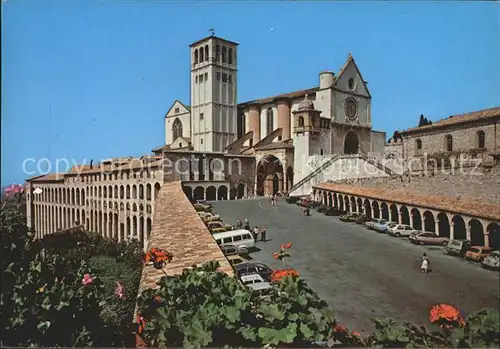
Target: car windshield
{"points": [[456, 243], [474, 250]]}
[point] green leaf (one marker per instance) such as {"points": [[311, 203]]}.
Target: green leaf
{"points": [[306, 331], [272, 312], [43, 325], [275, 337]]}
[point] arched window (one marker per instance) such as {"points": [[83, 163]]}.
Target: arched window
{"points": [[201, 54], [223, 54], [301, 121], [270, 121], [206, 52], [449, 143], [321, 151], [419, 145], [177, 129], [217, 53], [196, 56], [230, 56], [481, 140]]}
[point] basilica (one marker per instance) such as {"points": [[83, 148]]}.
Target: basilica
{"points": [[283, 140]]}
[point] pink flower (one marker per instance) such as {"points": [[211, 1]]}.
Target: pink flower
{"points": [[119, 290], [14, 189], [87, 279]]}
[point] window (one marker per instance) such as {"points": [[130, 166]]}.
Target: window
{"points": [[206, 52], [177, 110], [201, 141], [280, 138], [217, 52], [177, 129], [206, 76], [196, 79], [230, 56], [230, 79], [247, 237], [351, 84], [218, 242], [224, 77], [301, 121], [480, 140], [270, 121], [418, 144], [227, 240], [201, 116], [201, 54], [321, 151], [217, 76], [195, 56], [223, 54], [449, 143], [237, 238], [180, 145], [201, 78]]}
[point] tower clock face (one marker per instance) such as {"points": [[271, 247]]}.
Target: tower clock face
{"points": [[351, 109]]}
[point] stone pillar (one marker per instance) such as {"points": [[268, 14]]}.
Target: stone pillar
{"points": [[452, 231], [436, 226], [284, 118], [400, 217], [145, 235], [280, 182], [487, 239], [204, 193], [468, 232], [254, 122]]}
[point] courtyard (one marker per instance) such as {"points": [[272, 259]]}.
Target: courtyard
{"points": [[360, 273]]}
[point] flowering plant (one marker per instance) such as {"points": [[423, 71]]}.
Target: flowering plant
{"points": [[283, 253], [158, 257], [279, 274], [446, 316]]}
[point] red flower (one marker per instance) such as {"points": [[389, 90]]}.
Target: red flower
{"points": [[339, 328], [446, 316], [279, 274], [276, 255], [354, 333], [158, 257], [140, 324], [288, 245], [87, 279]]}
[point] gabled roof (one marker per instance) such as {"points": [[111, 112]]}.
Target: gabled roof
{"points": [[213, 37], [295, 94], [177, 101], [474, 116], [277, 145], [350, 59], [51, 177]]}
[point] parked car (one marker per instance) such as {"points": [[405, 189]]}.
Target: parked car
{"points": [[478, 253], [253, 268], [332, 211], [458, 247], [383, 227], [349, 217], [321, 208], [230, 250], [218, 226], [236, 259], [209, 216], [428, 238], [292, 199], [202, 208], [371, 224], [492, 261], [400, 230], [255, 282], [362, 219]]}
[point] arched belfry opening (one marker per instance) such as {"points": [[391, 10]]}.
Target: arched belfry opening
{"points": [[351, 143], [270, 176]]}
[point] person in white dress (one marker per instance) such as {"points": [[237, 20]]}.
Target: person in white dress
{"points": [[425, 264]]}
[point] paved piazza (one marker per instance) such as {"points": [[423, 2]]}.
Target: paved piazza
{"points": [[362, 273]]}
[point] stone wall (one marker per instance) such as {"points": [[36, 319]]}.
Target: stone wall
{"points": [[481, 185], [177, 228]]}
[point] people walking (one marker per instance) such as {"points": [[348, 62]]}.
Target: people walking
{"points": [[425, 264], [256, 233], [263, 233], [239, 223], [247, 224]]}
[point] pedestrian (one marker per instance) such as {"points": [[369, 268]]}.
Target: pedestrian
{"points": [[239, 223], [425, 264], [256, 233], [247, 224], [263, 233]]}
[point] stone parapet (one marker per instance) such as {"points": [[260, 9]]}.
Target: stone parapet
{"points": [[177, 228]]}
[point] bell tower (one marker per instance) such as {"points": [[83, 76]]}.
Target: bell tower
{"points": [[213, 93]]}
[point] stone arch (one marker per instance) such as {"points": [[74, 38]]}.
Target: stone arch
{"points": [[394, 213], [459, 228], [188, 191], [368, 208], [127, 229], [323, 198], [105, 191], [376, 209], [233, 193], [476, 232], [493, 230], [115, 226], [405, 215], [134, 207], [141, 192], [222, 192], [148, 191], [351, 143], [359, 203], [148, 230], [330, 201], [115, 191], [335, 200], [157, 189], [141, 231], [443, 224], [353, 204], [127, 191], [211, 193], [429, 221], [269, 176], [199, 193], [134, 192], [176, 129], [240, 190], [416, 219], [346, 203], [134, 227], [289, 178]]}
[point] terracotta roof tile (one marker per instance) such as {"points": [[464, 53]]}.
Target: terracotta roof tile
{"points": [[51, 177], [295, 94], [459, 119], [177, 228], [457, 204], [275, 145]]}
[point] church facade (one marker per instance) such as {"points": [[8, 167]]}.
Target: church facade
{"points": [[289, 135]]}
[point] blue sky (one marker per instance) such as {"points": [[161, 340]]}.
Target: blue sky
{"points": [[90, 80]]}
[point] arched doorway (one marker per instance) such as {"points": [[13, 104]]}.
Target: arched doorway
{"points": [[417, 220], [211, 193], [241, 190], [376, 209], [351, 143], [476, 232], [405, 215], [493, 230], [394, 214], [233, 193], [222, 193], [429, 222], [459, 231], [199, 193], [368, 208], [269, 176], [289, 178], [444, 224], [188, 191]]}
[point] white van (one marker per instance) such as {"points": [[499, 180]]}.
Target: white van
{"points": [[239, 238]]}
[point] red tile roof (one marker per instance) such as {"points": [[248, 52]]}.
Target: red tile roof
{"points": [[295, 94], [457, 204], [479, 115], [51, 177]]}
